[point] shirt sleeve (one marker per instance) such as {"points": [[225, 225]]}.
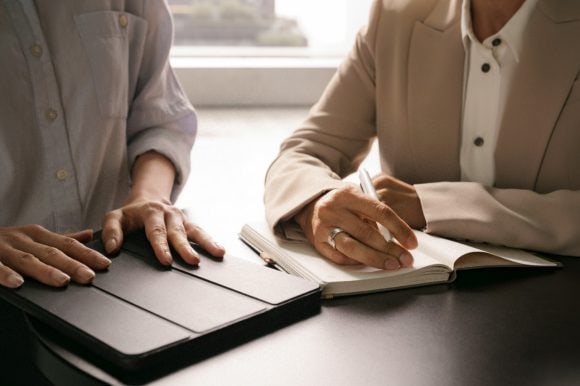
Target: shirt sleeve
{"points": [[512, 217], [160, 118]]}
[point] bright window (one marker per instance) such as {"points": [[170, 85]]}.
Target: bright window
{"points": [[304, 28]]}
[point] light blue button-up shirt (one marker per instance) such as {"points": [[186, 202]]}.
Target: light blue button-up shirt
{"points": [[85, 87]]}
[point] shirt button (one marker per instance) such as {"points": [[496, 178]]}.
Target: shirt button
{"points": [[36, 50], [123, 21], [496, 42], [62, 174], [51, 114], [478, 141], [485, 67]]}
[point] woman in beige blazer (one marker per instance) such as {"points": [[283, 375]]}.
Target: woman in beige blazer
{"points": [[403, 83]]}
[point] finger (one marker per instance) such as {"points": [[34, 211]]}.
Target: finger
{"points": [[157, 235], [356, 250], [381, 213], [112, 235], [28, 265], [83, 236], [391, 183], [9, 278], [364, 231], [198, 235], [178, 237], [54, 257], [334, 255], [72, 249]]}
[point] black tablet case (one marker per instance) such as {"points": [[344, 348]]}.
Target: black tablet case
{"points": [[139, 320]]}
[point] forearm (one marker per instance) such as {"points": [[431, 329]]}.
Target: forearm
{"points": [[153, 176]]}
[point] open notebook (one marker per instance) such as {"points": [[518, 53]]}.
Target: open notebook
{"points": [[436, 260], [139, 320]]}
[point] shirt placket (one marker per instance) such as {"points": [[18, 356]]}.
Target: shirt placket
{"points": [[59, 167]]}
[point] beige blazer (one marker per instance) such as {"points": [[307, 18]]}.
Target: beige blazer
{"points": [[403, 83]]}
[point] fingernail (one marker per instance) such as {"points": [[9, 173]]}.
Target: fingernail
{"points": [[60, 278], [14, 281], [104, 261], [111, 245], [391, 264], [406, 259], [168, 258], [85, 275]]}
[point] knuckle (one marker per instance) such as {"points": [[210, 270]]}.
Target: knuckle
{"points": [[174, 211], [364, 232], [27, 259], [344, 193], [33, 229], [348, 246], [69, 242], [51, 252], [383, 211], [9, 238], [158, 230], [154, 206], [113, 215], [176, 231]]}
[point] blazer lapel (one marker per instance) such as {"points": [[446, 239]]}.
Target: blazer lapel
{"points": [[435, 89], [549, 65]]}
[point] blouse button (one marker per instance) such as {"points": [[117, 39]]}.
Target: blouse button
{"points": [[36, 51], [51, 114], [62, 174], [123, 21], [478, 141]]}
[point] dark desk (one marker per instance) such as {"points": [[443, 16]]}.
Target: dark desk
{"points": [[493, 327], [499, 327]]}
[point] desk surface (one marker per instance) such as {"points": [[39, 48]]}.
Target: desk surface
{"points": [[490, 327], [495, 326]]}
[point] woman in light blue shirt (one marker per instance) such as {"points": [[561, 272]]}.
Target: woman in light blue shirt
{"points": [[95, 131]]}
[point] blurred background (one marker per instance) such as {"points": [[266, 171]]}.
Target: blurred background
{"points": [[316, 26]]}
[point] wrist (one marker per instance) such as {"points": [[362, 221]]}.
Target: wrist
{"points": [[140, 195], [304, 216], [153, 176]]}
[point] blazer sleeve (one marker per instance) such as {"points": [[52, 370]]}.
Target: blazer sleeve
{"points": [[161, 118], [512, 217], [335, 137]]}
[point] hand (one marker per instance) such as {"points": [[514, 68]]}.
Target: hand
{"points": [[164, 225], [48, 257], [354, 212], [402, 198]]}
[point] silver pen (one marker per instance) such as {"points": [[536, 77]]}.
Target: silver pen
{"points": [[367, 187]]}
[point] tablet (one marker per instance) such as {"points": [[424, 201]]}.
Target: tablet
{"points": [[139, 320]]}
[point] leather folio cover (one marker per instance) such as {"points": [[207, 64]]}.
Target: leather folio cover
{"points": [[139, 319]]}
